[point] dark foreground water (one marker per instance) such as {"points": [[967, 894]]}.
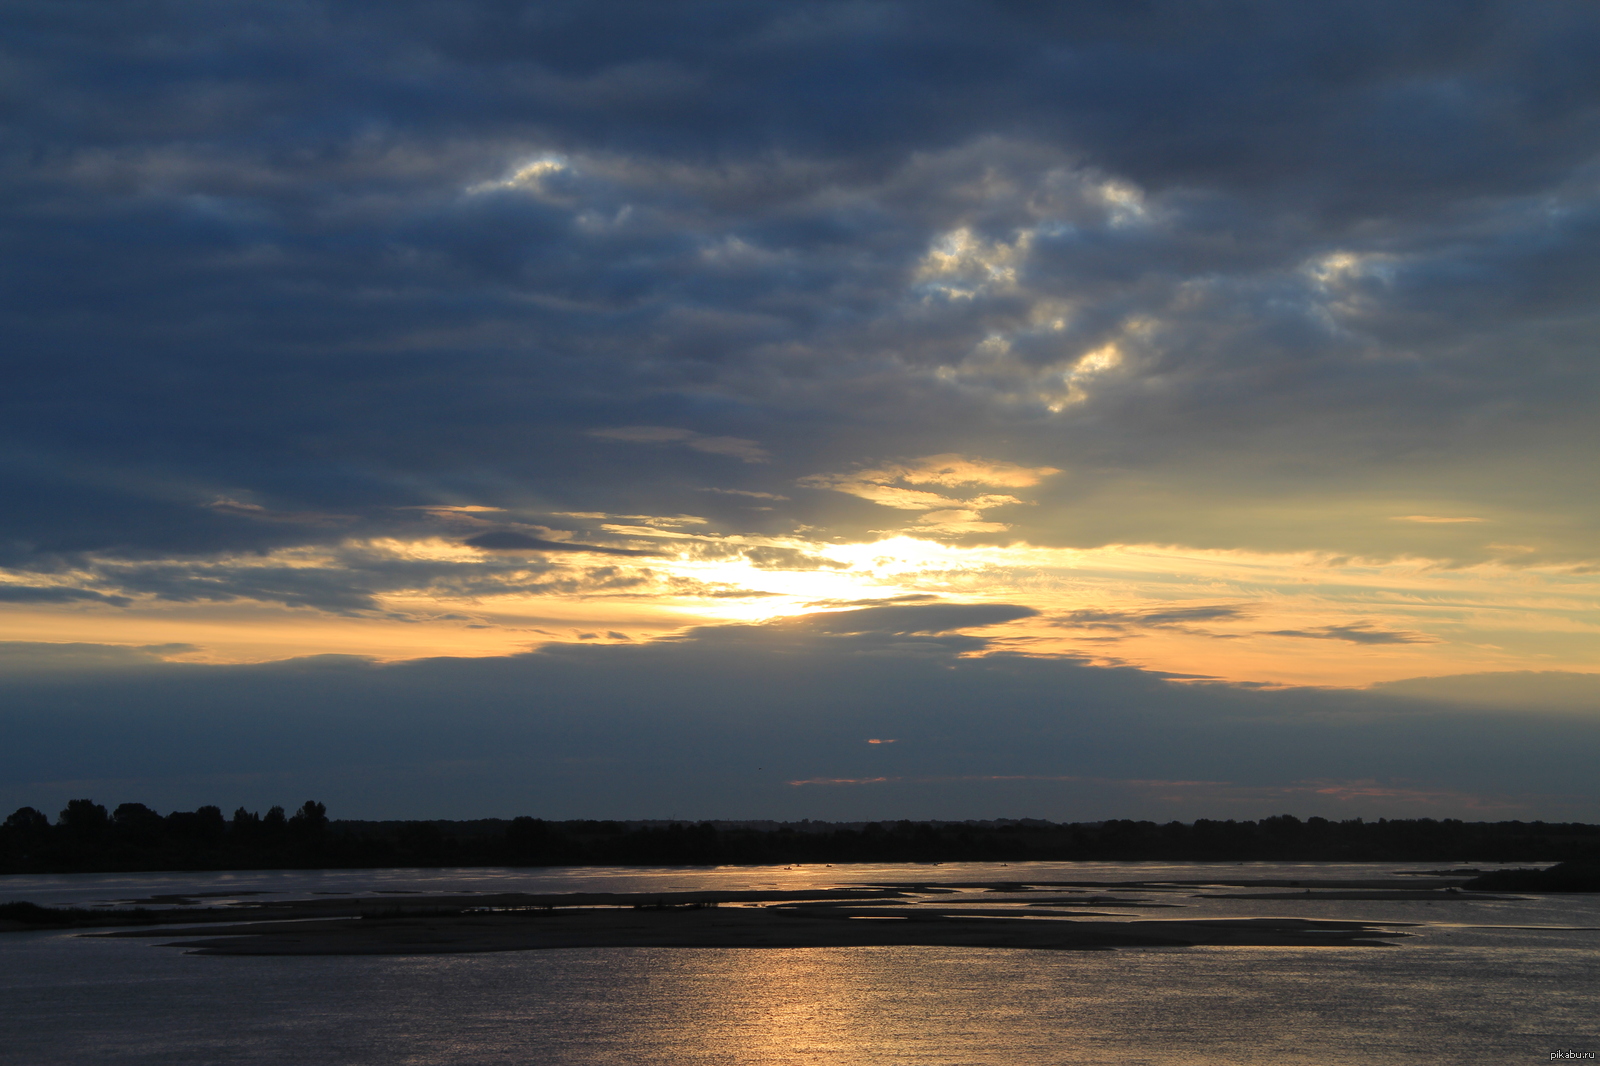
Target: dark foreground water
{"points": [[1468, 988]]}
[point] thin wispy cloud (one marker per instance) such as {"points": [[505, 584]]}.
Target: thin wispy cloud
{"points": [[1356, 633]]}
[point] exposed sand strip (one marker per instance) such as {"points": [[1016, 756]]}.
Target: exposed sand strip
{"points": [[452, 924]]}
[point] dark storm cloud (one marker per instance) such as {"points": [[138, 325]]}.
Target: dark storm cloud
{"points": [[722, 722], [334, 259]]}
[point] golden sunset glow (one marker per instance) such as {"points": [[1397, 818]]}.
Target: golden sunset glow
{"points": [[1139, 389], [1226, 615]]}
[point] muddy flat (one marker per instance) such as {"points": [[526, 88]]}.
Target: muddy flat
{"points": [[750, 928], [1048, 915]]}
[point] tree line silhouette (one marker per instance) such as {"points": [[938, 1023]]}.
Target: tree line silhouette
{"points": [[134, 837], [87, 838]]}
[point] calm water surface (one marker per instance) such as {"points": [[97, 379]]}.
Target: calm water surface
{"points": [[1468, 988]]}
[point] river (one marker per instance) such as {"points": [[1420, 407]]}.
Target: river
{"points": [[1478, 981]]}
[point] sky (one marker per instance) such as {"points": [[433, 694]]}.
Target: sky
{"points": [[845, 410]]}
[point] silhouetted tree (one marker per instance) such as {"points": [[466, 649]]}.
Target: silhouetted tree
{"points": [[527, 841], [274, 827], [310, 820], [27, 820], [213, 829], [245, 830], [134, 825], [25, 831], [84, 821], [202, 829]]}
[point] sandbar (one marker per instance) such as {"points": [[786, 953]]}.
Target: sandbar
{"points": [[443, 925]]}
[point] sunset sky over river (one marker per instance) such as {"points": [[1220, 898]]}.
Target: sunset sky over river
{"points": [[824, 409]]}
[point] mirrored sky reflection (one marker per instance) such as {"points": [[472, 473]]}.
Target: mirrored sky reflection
{"points": [[1118, 361]]}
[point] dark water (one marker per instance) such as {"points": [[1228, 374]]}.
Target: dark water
{"points": [[1463, 990]]}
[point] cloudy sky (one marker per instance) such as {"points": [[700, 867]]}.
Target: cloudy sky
{"points": [[801, 409]]}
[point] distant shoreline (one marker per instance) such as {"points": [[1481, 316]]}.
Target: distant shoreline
{"points": [[89, 839]]}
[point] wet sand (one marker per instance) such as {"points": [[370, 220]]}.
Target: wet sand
{"points": [[882, 915], [1053, 915], [749, 928]]}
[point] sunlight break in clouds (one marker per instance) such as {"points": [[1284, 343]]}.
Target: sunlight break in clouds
{"points": [[1228, 615], [945, 514], [1194, 355], [529, 177]]}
